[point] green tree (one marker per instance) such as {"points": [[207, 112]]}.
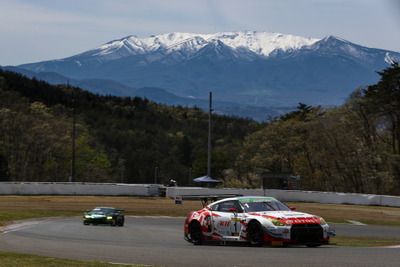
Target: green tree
{"points": [[384, 99], [4, 171]]}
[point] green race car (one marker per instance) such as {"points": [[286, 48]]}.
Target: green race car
{"points": [[104, 215]]}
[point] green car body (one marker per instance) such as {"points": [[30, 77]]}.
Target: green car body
{"points": [[104, 215]]}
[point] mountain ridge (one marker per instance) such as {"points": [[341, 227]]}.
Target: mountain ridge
{"points": [[246, 67]]}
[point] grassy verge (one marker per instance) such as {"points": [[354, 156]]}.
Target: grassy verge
{"points": [[8, 216], [10, 259], [364, 241], [365, 222]]}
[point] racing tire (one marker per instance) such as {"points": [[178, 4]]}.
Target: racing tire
{"points": [[255, 234], [196, 234], [120, 223]]}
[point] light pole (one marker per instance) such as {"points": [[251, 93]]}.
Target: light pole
{"points": [[209, 138], [122, 173], [155, 175], [57, 171], [25, 171]]}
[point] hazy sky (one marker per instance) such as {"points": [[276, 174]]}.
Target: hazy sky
{"points": [[37, 30]]}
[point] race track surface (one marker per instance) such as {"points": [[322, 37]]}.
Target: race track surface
{"points": [[159, 241]]}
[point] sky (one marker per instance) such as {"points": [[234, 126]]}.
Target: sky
{"points": [[39, 30]]}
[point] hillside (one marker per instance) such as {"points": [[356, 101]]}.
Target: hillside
{"points": [[117, 139], [351, 148]]}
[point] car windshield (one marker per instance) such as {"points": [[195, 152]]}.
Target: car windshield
{"points": [[102, 210], [256, 205]]}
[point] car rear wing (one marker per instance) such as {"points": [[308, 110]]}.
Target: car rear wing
{"points": [[205, 199]]}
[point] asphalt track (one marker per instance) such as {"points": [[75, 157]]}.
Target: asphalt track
{"points": [[159, 241]]}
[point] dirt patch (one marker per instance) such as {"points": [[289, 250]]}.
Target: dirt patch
{"points": [[166, 206], [131, 205]]}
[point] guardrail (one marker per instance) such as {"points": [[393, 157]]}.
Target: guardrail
{"points": [[294, 195], [106, 189], [110, 189]]}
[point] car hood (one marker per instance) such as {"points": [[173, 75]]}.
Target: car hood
{"points": [[97, 214], [290, 217]]}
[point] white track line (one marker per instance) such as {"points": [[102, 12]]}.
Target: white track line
{"points": [[19, 226], [395, 246], [355, 222]]}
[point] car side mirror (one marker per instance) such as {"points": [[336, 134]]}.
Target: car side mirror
{"points": [[292, 208]]}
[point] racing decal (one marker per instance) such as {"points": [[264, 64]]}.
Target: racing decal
{"points": [[224, 224], [285, 212], [207, 219], [298, 220], [302, 220], [272, 199], [205, 229], [194, 216], [207, 225], [216, 236]]}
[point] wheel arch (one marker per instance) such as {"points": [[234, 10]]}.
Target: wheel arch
{"points": [[195, 237], [254, 220], [193, 222], [256, 233]]}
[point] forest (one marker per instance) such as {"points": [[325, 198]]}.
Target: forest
{"points": [[65, 134], [45, 130]]}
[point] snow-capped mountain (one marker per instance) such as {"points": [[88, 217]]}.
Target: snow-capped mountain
{"points": [[260, 43], [246, 67]]}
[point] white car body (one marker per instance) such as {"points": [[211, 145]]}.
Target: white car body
{"points": [[257, 221]]}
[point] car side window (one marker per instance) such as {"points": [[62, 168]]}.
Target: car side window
{"points": [[214, 207], [227, 206]]}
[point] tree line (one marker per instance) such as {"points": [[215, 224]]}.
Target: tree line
{"points": [[354, 147], [117, 139], [351, 148]]}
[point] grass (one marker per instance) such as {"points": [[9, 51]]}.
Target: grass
{"points": [[10, 259], [8, 216], [365, 241]]}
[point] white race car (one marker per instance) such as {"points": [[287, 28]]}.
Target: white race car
{"points": [[257, 221]]}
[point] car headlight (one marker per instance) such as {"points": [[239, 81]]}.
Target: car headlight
{"points": [[109, 217], [87, 216], [322, 220], [276, 222]]}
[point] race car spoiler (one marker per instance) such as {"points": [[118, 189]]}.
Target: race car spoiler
{"points": [[205, 199]]}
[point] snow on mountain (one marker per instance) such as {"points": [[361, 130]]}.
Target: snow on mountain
{"points": [[390, 59], [261, 43]]}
